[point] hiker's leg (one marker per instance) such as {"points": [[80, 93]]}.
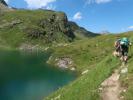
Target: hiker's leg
{"points": [[126, 58], [126, 54], [122, 55], [116, 54], [122, 58], [119, 54]]}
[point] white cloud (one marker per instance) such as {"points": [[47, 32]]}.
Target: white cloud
{"points": [[51, 7], [130, 27], [34, 4], [97, 1], [102, 1], [77, 16], [127, 28]]}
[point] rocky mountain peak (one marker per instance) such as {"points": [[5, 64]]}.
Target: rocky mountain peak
{"points": [[3, 3]]}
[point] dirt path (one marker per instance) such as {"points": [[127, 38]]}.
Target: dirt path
{"points": [[111, 87]]}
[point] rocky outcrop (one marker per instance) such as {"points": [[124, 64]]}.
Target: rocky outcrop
{"points": [[3, 2], [56, 23], [65, 63], [4, 7], [35, 32]]}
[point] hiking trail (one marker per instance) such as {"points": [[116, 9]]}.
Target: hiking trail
{"points": [[111, 87]]}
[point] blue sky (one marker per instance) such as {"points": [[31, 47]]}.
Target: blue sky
{"points": [[95, 15]]}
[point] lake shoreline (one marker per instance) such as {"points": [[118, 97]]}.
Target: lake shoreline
{"points": [[31, 69]]}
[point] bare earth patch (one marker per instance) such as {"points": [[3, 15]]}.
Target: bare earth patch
{"points": [[111, 88]]}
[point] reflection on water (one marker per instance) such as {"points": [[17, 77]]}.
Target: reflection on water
{"points": [[28, 77]]}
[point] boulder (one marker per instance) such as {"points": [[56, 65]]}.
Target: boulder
{"points": [[64, 62]]}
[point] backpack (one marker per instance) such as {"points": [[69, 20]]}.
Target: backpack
{"points": [[124, 41]]}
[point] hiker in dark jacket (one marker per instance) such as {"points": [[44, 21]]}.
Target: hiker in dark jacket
{"points": [[122, 48]]}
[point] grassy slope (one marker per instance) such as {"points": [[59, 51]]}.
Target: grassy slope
{"points": [[94, 55], [127, 82], [86, 86], [15, 36], [29, 20], [127, 79]]}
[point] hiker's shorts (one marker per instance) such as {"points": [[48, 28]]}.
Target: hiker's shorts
{"points": [[124, 50]]}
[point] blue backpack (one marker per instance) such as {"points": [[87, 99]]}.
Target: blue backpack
{"points": [[124, 41]]}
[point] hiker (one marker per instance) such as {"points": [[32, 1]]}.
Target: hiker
{"points": [[122, 48], [117, 51]]}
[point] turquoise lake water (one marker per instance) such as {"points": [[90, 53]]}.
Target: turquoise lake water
{"points": [[26, 76]]}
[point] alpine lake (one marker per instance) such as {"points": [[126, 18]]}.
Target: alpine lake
{"points": [[27, 76]]}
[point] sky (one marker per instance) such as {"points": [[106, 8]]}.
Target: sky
{"points": [[114, 16]]}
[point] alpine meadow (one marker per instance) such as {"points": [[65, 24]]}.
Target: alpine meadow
{"points": [[46, 56]]}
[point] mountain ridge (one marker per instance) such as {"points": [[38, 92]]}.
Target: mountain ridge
{"points": [[4, 7], [3, 2], [38, 27]]}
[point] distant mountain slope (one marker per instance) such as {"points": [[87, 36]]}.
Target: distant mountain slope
{"points": [[37, 27], [3, 2], [80, 32], [4, 7]]}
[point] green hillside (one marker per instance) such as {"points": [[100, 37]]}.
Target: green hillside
{"points": [[95, 56], [37, 27], [89, 54]]}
